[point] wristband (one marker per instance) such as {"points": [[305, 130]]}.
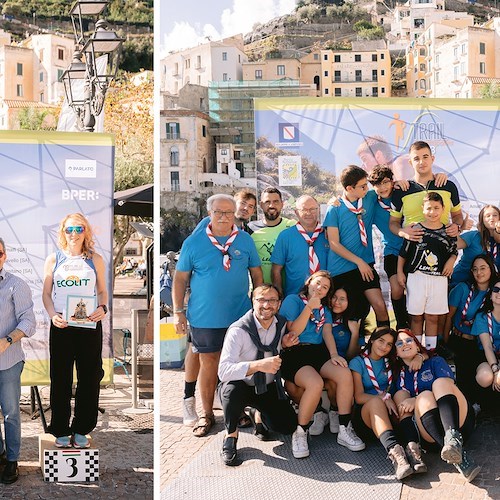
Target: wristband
{"points": [[494, 367], [179, 311], [459, 227], [387, 396]]}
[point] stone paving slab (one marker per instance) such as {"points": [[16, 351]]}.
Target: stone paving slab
{"points": [[269, 471], [191, 467]]}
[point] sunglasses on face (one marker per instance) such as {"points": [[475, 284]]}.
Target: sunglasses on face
{"points": [[401, 343], [74, 229], [496, 289]]}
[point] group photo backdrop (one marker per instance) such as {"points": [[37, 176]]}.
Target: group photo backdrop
{"points": [[46, 176], [303, 144]]}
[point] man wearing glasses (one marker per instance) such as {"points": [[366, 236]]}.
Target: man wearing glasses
{"points": [[17, 320], [215, 262], [249, 370], [301, 249]]}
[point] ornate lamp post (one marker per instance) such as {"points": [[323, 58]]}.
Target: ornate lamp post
{"points": [[94, 65]]}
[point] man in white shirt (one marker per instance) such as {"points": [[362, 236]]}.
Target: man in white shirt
{"points": [[249, 369]]}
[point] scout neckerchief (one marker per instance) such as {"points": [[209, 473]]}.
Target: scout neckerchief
{"points": [[402, 381], [313, 258], [371, 374], [319, 323], [493, 251], [359, 214], [463, 320], [226, 261], [489, 318], [381, 202]]}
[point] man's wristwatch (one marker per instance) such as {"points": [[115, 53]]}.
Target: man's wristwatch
{"points": [[104, 308], [9, 339]]}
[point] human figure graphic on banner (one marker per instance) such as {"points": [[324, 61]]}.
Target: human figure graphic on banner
{"points": [[74, 269], [399, 129], [17, 320]]}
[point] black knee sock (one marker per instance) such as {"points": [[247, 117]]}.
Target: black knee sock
{"points": [[431, 422], [189, 389], [306, 426], [383, 323], [388, 439], [344, 419], [399, 307], [448, 411], [408, 430]]}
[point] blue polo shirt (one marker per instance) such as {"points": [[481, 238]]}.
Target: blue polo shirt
{"points": [[218, 297], [357, 365], [432, 369], [481, 326], [457, 298], [292, 252], [291, 308], [347, 223], [392, 243], [342, 336], [461, 271]]}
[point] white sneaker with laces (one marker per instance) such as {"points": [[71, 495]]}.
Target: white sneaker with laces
{"points": [[320, 421], [300, 448], [190, 416], [348, 438], [333, 417]]}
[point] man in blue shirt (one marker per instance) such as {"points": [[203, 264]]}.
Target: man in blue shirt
{"points": [[17, 320], [215, 262], [301, 249]]}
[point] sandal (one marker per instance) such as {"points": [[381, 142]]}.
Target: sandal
{"points": [[203, 426], [244, 421]]}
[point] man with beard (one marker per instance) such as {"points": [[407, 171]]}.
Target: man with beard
{"points": [[265, 232], [300, 250], [249, 369]]}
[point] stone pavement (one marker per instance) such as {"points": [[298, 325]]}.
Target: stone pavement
{"points": [[125, 443], [191, 469]]}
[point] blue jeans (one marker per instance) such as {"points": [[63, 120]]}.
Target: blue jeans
{"points": [[10, 393]]}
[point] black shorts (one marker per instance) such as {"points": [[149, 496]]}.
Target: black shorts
{"points": [[391, 265], [296, 357], [354, 281], [356, 287]]}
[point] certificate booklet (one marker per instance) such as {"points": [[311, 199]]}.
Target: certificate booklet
{"points": [[78, 308]]}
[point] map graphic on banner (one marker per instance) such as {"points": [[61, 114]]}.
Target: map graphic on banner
{"points": [[48, 175], [327, 135]]}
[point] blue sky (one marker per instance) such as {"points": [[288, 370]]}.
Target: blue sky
{"points": [[186, 23]]}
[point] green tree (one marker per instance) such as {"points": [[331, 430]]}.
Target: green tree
{"points": [[490, 91], [37, 119], [129, 116]]}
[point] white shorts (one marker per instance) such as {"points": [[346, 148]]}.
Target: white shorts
{"points": [[426, 294]]}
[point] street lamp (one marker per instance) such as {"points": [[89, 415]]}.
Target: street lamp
{"points": [[94, 64]]}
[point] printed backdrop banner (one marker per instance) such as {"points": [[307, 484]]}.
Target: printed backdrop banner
{"points": [[327, 135], [46, 176], [317, 138]]}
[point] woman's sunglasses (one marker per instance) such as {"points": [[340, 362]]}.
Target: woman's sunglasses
{"points": [[401, 343], [74, 229]]}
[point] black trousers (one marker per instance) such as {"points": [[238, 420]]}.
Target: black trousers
{"points": [[277, 414], [466, 361], [81, 347]]}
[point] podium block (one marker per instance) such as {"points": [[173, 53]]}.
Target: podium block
{"points": [[67, 465]]}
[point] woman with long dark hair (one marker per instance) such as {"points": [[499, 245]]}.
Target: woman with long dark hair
{"points": [[486, 240], [465, 300], [430, 397], [375, 410], [314, 359]]}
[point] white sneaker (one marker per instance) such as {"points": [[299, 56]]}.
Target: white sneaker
{"points": [[300, 449], [189, 409], [333, 417], [348, 438], [320, 421]]}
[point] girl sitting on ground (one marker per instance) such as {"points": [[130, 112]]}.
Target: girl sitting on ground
{"points": [[441, 412]]}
